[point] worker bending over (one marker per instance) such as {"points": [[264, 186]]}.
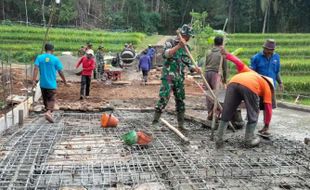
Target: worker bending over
{"points": [[248, 86]]}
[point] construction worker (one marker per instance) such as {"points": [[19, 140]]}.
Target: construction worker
{"points": [[248, 86], [100, 61], [172, 77], [268, 63], [214, 60], [81, 51], [151, 53], [88, 46], [145, 65], [48, 64], [88, 64]]}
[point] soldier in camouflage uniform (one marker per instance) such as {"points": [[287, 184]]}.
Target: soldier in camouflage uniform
{"points": [[176, 59], [100, 61]]}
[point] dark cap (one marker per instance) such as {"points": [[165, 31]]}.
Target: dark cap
{"points": [[218, 40], [100, 47], [270, 44], [186, 30], [49, 47]]}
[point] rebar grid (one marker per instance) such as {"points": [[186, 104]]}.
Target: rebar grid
{"points": [[76, 152]]}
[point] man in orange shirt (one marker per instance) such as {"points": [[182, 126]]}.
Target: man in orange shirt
{"points": [[248, 86]]}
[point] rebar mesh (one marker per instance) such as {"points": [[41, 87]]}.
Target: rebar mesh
{"points": [[76, 152]]}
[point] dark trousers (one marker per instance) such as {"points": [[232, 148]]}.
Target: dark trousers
{"points": [[234, 95], [49, 99], [213, 79], [145, 74], [85, 85]]}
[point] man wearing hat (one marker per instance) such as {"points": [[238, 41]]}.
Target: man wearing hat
{"points": [[267, 63], [248, 86], [100, 61], [88, 65], [176, 59]]}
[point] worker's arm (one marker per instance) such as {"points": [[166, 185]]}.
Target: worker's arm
{"points": [[224, 67], [279, 80], [267, 114], [62, 76], [241, 67], [79, 63], [150, 63], [278, 77], [59, 68], [253, 64], [171, 51], [35, 75]]}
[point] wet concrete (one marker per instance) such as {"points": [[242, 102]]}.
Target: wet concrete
{"points": [[30, 153], [291, 124]]}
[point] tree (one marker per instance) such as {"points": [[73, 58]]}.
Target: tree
{"points": [[266, 6], [26, 10]]}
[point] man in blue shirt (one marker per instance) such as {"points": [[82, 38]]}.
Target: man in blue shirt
{"points": [[151, 53], [145, 65], [267, 63], [48, 65]]}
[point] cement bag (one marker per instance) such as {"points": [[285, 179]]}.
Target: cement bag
{"points": [[37, 93]]}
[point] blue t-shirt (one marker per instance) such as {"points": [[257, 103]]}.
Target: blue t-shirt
{"points": [[264, 66], [150, 52], [48, 65]]}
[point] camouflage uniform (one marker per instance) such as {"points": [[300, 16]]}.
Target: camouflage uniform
{"points": [[173, 78], [81, 51], [100, 62]]}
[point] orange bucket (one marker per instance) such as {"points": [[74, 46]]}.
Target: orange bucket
{"points": [[143, 138], [108, 120]]}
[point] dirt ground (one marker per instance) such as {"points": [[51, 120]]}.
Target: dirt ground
{"points": [[135, 94], [13, 82]]}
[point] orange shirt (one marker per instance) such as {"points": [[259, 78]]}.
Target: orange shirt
{"points": [[254, 82]]}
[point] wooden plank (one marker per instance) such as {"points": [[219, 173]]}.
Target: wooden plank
{"points": [[121, 82]]}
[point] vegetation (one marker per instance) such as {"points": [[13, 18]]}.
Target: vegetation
{"points": [[23, 43], [163, 16], [295, 62]]}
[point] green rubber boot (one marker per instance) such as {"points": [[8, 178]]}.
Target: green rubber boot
{"points": [[219, 142], [250, 139], [180, 116], [155, 122], [237, 120]]}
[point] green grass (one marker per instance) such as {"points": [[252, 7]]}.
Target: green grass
{"points": [[294, 51], [148, 40], [23, 43]]}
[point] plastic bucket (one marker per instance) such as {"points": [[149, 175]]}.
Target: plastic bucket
{"points": [[144, 138], [130, 138], [108, 120]]}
